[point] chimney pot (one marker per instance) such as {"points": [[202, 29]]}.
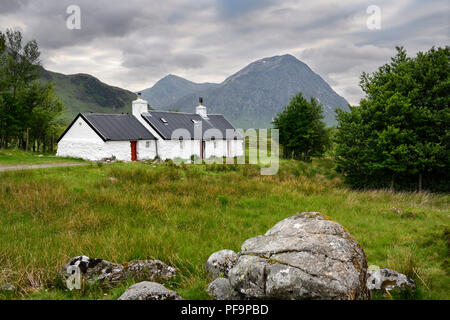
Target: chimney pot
{"points": [[201, 109], [139, 106]]}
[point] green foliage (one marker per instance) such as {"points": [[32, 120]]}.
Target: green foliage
{"points": [[182, 215], [399, 135], [25, 103], [302, 131]]}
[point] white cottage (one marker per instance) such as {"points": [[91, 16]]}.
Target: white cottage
{"points": [[146, 134]]}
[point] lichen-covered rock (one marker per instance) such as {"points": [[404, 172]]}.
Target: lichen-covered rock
{"points": [[389, 280], [7, 287], [220, 289], [306, 256], [220, 262], [147, 290], [151, 270], [105, 273]]}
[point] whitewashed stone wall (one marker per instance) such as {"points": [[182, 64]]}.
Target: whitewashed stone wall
{"points": [[237, 148], [82, 142], [216, 148], [95, 151], [171, 149], [144, 152]]}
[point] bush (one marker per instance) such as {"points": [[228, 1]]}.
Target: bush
{"points": [[399, 135]]}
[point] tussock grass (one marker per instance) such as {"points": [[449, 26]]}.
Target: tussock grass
{"points": [[181, 214]]}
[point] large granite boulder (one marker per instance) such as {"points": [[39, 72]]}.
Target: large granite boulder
{"points": [[220, 262], [389, 280], [220, 289], [149, 291], [306, 256], [105, 273]]}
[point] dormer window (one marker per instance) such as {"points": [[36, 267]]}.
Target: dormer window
{"points": [[164, 120], [195, 121]]}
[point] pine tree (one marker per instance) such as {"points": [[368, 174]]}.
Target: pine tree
{"points": [[302, 132], [398, 137]]}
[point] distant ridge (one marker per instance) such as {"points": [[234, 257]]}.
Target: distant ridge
{"points": [[169, 89], [252, 96], [85, 93]]}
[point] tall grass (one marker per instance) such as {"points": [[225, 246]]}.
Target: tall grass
{"points": [[181, 214]]}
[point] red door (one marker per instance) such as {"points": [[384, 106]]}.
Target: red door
{"points": [[202, 150], [133, 151]]}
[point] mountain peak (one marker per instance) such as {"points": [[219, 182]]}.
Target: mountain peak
{"points": [[172, 76], [251, 97], [285, 58], [270, 65]]}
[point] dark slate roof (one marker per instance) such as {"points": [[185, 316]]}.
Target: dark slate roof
{"points": [[115, 127], [213, 127]]}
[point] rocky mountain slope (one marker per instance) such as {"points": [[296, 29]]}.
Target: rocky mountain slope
{"points": [[252, 96]]}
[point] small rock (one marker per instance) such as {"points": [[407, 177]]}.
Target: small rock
{"points": [[112, 179], [99, 271], [389, 280], [149, 291], [152, 270], [220, 262], [7, 287], [220, 289]]}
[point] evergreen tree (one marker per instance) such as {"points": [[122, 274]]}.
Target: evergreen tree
{"points": [[399, 135], [24, 102], [302, 132]]}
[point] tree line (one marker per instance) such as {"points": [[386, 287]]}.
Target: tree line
{"points": [[29, 109], [397, 138]]}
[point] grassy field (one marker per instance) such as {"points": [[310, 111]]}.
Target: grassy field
{"points": [[182, 214], [18, 157]]}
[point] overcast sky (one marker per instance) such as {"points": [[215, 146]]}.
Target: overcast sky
{"points": [[132, 43]]}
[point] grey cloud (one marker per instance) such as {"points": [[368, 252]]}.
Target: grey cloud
{"points": [[133, 43], [12, 5], [189, 60]]}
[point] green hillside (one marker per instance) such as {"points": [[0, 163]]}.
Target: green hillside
{"points": [[85, 93]]}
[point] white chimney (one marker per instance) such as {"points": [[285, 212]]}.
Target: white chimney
{"points": [[201, 109], [139, 106]]}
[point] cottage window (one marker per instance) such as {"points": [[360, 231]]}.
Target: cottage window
{"points": [[215, 144], [181, 144], [147, 144]]}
